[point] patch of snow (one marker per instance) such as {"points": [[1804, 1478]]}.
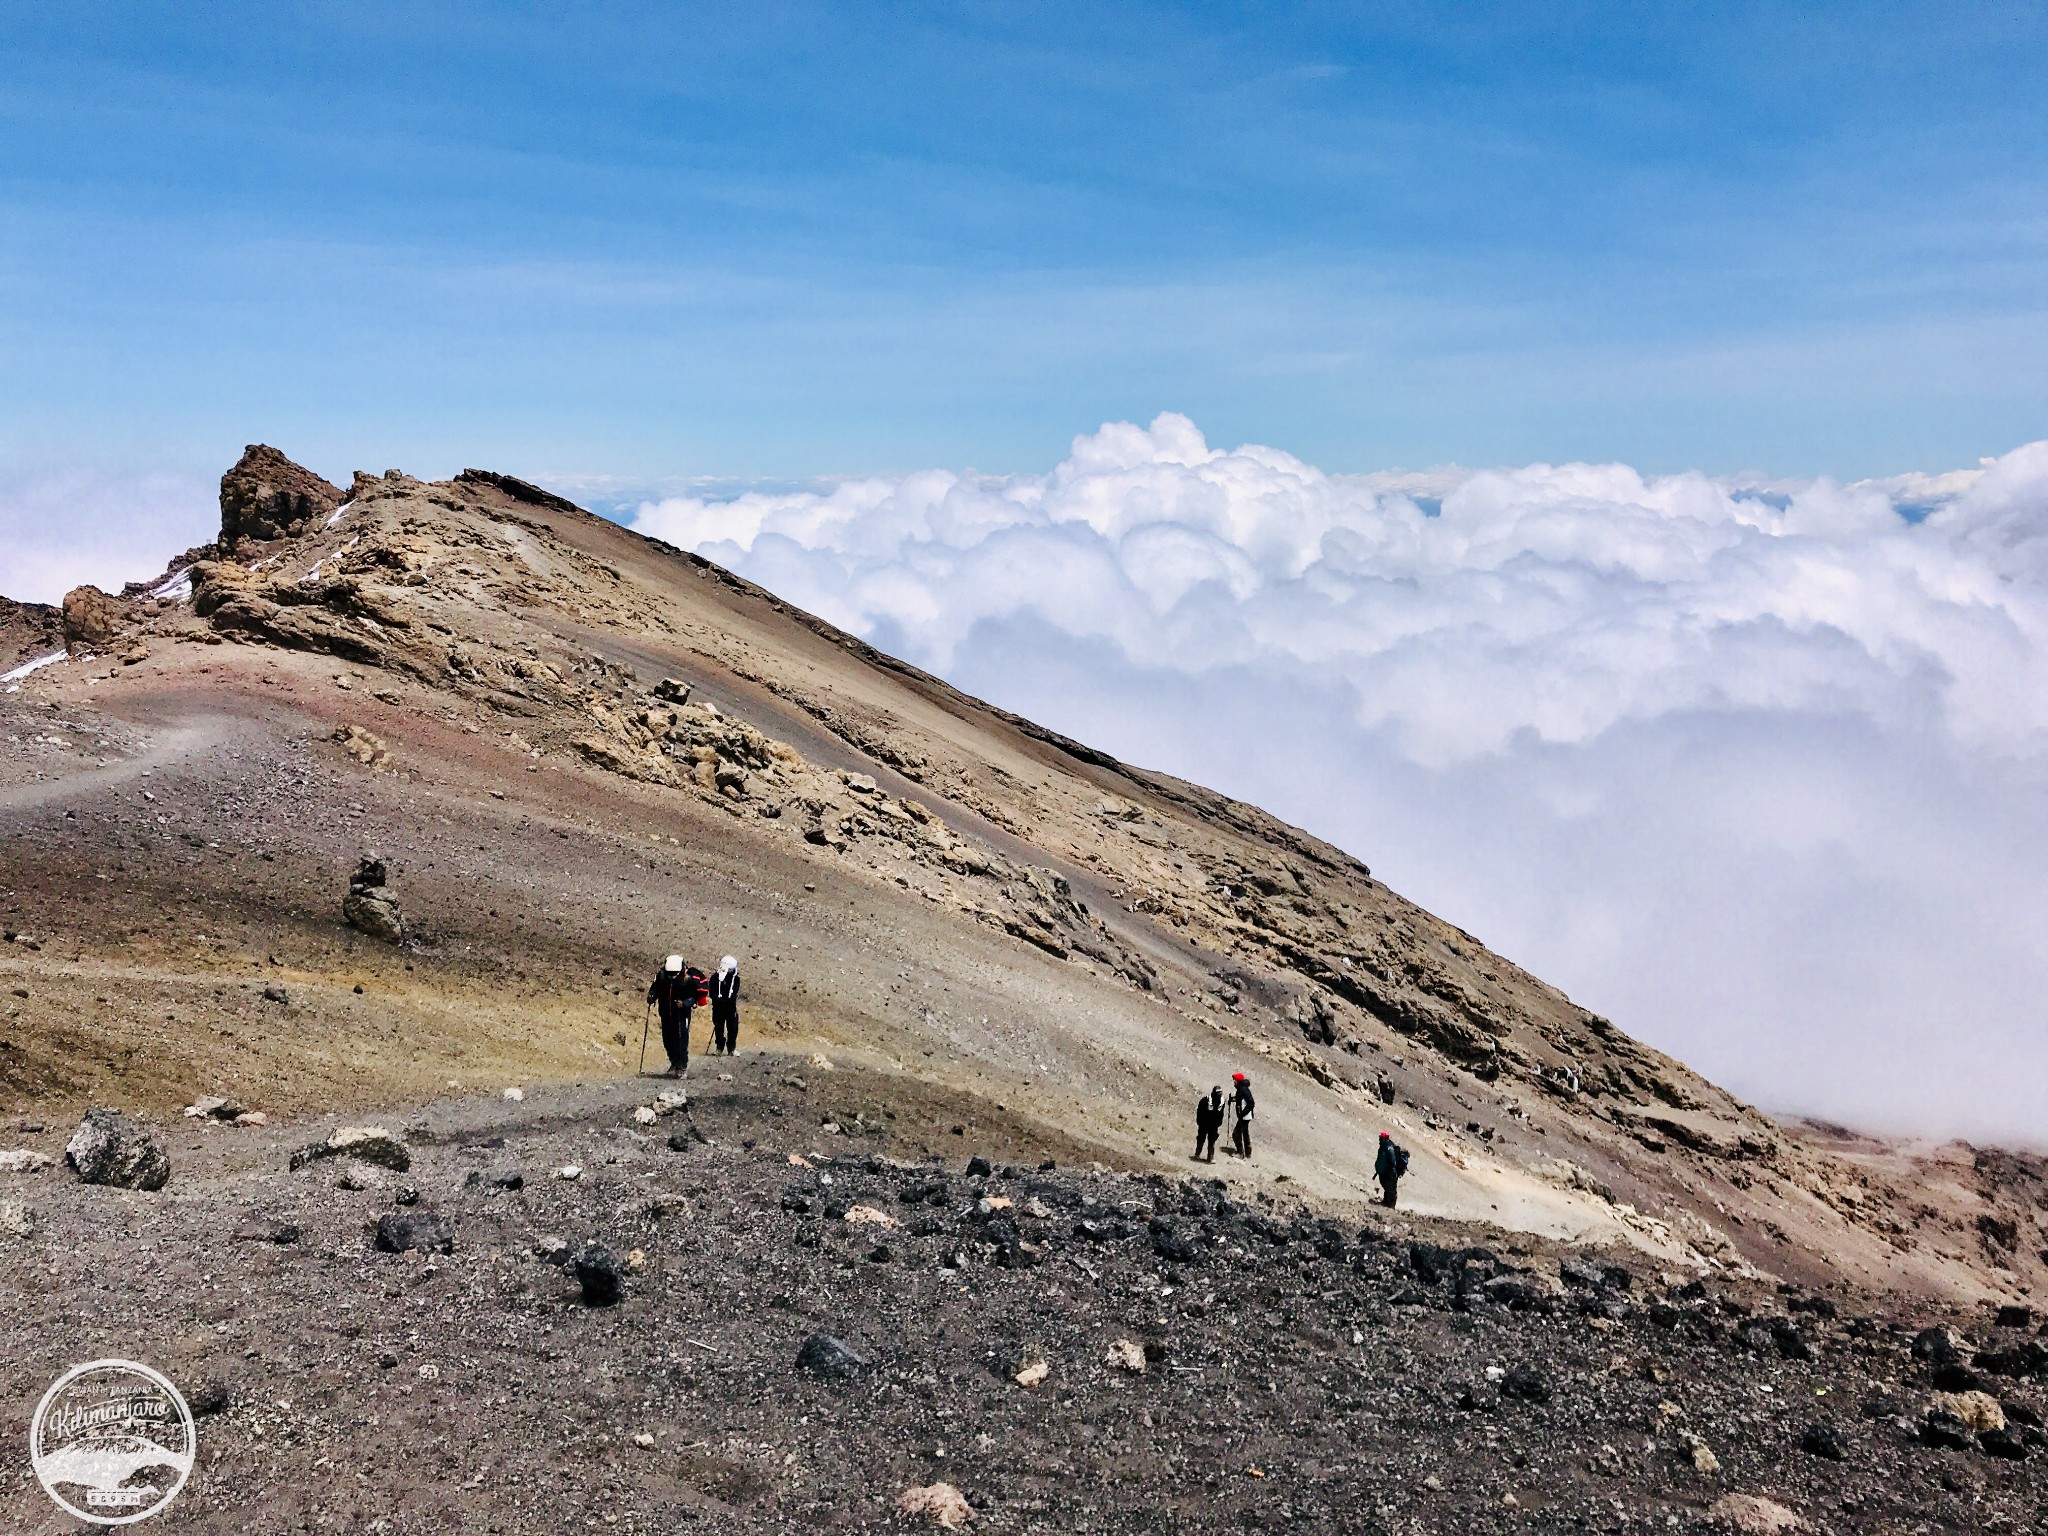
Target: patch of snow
{"points": [[33, 666], [336, 515], [176, 590], [314, 574]]}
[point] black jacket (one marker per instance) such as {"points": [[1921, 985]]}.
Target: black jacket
{"points": [[725, 989], [1241, 1101], [1208, 1114], [673, 992], [1387, 1166]]}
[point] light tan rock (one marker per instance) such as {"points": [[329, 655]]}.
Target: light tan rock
{"points": [[940, 1503], [1755, 1516], [1979, 1410]]}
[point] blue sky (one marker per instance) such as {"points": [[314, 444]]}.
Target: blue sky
{"points": [[772, 241]]}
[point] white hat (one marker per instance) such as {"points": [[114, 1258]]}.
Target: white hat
{"points": [[672, 963], [727, 966]]}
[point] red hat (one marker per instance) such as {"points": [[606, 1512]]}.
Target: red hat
{"points": [[1385, 1137], [1237, 1076]]}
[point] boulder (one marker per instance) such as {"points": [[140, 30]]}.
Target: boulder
{"points": [[369, 907], [597, 1270], [367, 1143], [109, 1148], [90, 617], [16, 1219], [398, 1231], [267, 496], [25, 1160], [824, 1355]]}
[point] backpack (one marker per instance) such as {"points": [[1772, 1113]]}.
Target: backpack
{"points": [[1400, 1161]]}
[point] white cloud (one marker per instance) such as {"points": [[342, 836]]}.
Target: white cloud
{"points": [[1754, 768], [61, 528]]}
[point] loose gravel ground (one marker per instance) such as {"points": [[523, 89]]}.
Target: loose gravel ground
{"points": [[1302, 1370]]}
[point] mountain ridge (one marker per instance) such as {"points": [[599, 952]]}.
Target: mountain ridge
{"points": [[1186, 931]]}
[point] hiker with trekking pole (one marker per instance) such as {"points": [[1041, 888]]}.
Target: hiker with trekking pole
{"points": [[673, 992]]}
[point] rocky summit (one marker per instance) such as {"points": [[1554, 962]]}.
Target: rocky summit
{"points": [[339, 855]]}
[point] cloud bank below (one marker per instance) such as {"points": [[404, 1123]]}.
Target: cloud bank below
{"points": [[1754, 768]]}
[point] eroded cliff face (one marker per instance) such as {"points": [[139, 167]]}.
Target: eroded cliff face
{"points": [[1087, 941]]}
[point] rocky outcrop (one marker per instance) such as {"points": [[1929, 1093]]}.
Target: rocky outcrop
{"points": [[90, 617], [28, 630], [267, 496], [369, 905], [109, 1148], [340, 616]]}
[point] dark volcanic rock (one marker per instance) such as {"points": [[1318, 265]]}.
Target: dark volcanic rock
{"points": [[1823, 1439], [1935, 1346], [824, 1355], [2029, 1357], [1790, 1341], [1525, 1384], [597, 1270], [1956, 1377], [109, 1148], [2002, 1443], [267, 496], [398, 1231], [1946, 1431], [1175, 1241]]}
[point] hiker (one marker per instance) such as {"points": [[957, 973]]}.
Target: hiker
{"points": [[725, 1007], [1241, 1102], [1208, 1121], [1388, 1168], [674, 994]]}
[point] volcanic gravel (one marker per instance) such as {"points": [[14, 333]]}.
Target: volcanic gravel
{"points": [[796, 1343]]}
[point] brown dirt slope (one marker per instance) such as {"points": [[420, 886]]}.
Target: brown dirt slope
{"points": [[580, 749]]}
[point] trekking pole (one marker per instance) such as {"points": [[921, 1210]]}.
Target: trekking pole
{"points": [[644, 1023]]}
